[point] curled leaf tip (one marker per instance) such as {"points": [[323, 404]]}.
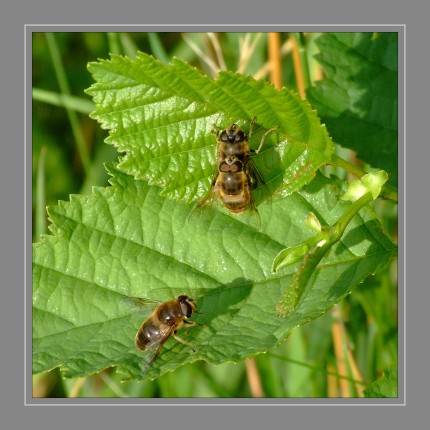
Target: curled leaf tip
{"points": [[372, 182]]}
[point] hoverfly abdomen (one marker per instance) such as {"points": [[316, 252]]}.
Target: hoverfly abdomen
{"points": [[147, 335], [234, 178], [229, 166]]}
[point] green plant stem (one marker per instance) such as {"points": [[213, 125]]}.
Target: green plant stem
{"points": [[73, 118], [350, 212], [327, 238], [335, 232], [337, 161]]}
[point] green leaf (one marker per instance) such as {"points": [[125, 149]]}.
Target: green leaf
{"points": [[358, 99], [161, 116], [384, 387], [127, 240]]}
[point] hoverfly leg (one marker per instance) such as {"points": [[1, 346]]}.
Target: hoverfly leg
{"points": [[193, 323], [215, 129], [263, 138], [183, 341]]}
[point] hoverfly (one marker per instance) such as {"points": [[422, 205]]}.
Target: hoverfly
{"points": [[236, 175], [164, 321]]}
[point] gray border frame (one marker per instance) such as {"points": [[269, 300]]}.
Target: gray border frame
{"points": [[401, 400]]}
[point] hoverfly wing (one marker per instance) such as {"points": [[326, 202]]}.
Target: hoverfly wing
{"points": [[152, 350], [208, 199], [257, 181], [139, 305], [254, 175]]}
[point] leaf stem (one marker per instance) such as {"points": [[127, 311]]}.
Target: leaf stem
{"points": [[350, 212], [337, 161], [326, 239]]}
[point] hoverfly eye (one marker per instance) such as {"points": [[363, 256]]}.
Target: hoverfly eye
{"points": [[240, 136], [186, 308], [224, 137], [182, 298]]}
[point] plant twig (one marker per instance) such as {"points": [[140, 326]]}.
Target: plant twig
{"points": [[298, 68], [253, 378], [332, 381], [274, 42], [286, 48]]}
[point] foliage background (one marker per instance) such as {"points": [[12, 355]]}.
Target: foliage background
{"points": [[309, 362]]}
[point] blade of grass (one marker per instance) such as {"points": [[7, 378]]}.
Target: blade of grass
{"points": [[246, 50], [128, 45], [157, 48], [332, 381], [201, 55], [345, 363], [316, 368], [72, 116], [298, 385], [114, 43], [98, 174], [270, 374], [63, 100], [202, 370], [40, 212], [113, 385], [213, 37], [182, 50]]}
